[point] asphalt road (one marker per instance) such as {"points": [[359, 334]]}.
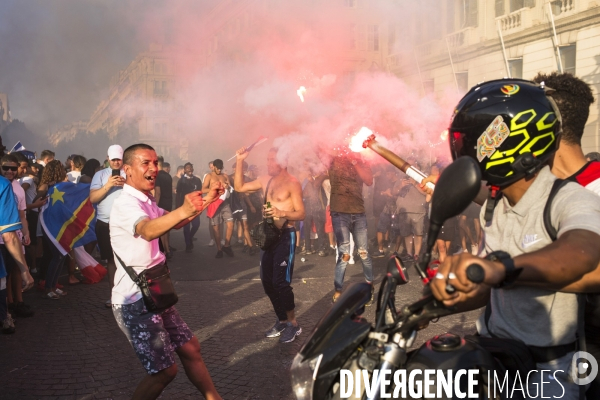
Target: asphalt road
{"points": [[73, 348]]}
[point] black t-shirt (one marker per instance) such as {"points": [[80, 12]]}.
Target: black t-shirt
{"points": [[165, 183], [187, 185]]}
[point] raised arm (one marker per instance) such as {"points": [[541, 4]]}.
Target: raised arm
{"points": [[193, 205], [238, 181]]}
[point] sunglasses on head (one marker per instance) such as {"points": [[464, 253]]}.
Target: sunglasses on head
{"points": [[9, 168]]}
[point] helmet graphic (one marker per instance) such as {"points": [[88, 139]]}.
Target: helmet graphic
{"points": [[509, 125]]}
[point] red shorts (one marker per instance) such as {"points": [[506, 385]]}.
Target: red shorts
{"points": [[328, 223]]}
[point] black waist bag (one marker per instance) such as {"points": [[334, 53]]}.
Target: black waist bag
{"points": [[265, 235], [156, 286]]}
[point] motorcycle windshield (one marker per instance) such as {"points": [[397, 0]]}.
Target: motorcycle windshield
{"points": [[345, 309]]}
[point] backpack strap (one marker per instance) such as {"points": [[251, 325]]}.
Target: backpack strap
{"points": [[556, 186]]}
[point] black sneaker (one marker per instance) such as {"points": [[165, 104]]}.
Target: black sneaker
{"points": [[290, 332], [378, 254], [23, 310], [219, 254], [227, 250], [252, 251], [245, 249], [188, 249], [276, 329]]}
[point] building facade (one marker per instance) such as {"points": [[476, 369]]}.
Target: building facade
{"points": [[470, 41]]}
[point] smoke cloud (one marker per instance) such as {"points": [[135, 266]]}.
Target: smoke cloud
{"points": [[233, 84]]}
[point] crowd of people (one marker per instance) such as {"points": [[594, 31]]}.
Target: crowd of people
{"points": [[321, 210]]}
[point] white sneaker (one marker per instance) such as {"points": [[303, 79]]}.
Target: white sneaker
{"points": [[211, 243], [222, 243], [474, 250], [351, 261]]}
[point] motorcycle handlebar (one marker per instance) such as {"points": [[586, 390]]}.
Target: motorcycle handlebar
{"points": [[475, 273]]}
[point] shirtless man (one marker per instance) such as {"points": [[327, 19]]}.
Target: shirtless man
{"points": [[223, 213], [277, 263]]}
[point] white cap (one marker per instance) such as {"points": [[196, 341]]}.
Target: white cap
{"points": [[115, 151]]}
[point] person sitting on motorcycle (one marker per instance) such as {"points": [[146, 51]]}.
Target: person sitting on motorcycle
{"points": [[512, 128]]}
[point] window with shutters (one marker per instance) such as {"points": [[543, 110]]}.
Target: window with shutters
{"points": [[391, 38], [469, 13], [373, 38], [568, 58], [518, 4], [462, 79], [515, 67], [499, 6], [450, 14]]}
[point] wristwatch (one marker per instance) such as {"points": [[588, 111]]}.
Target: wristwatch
{"points": [[510, 272]]}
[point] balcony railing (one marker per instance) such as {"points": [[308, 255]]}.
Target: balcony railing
{"points": [[456, 39], [562, 6], [511, 21]]}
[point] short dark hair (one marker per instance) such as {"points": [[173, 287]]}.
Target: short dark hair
{"points": [[188, 163], [166, 165], [130, 151], [593, 156], [573, 98], [21, 157], [179, 168], [46, 153], [9, 158], [218, 163]]}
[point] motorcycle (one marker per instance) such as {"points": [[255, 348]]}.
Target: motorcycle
{"points": [[344, 340]]}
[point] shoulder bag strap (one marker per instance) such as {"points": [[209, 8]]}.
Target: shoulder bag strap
{"points": [[267, 190], [134, 277]]}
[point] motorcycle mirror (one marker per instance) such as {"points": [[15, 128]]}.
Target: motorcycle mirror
{"points": [[456, 188], [397, 270]]}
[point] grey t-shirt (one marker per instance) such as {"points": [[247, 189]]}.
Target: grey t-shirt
{"points": [[537, 317], [410, 200]]}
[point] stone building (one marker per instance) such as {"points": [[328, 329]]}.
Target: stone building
{"points": [[470, 41]]}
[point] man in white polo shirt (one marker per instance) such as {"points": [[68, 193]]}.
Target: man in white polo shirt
{"points": [[105, 188], [136, 224]]}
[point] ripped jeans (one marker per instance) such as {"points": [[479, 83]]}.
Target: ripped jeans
{"points": [[343, 225]]}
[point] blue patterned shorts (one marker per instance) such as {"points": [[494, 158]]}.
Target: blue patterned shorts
{"points": [[153, 336]]}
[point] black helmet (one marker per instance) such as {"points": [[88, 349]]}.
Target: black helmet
{"points": [[509, 126]]}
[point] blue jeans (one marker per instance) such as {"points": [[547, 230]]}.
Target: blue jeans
{"points": [[189, 231], [343, 225]]}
